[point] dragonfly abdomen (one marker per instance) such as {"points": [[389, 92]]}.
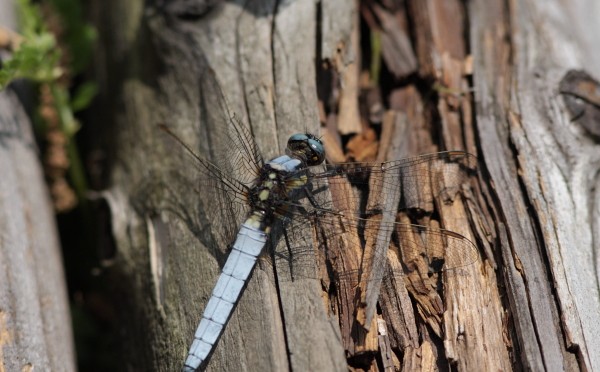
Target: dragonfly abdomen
{"points": [[248, 245], [272, 188]]}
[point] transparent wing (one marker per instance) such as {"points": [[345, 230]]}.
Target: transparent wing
{"points": [[231, 146], [219, 166], [370, 211], [347, 264], [365, 198], [419, 180], [413, 185], [345, 248]]}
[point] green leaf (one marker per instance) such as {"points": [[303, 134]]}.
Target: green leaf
{"points": [[83, 96], [35, 59], [68, 124], [37, 56], [78, 35]]}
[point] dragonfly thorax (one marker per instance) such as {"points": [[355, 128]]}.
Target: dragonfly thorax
{"points": [[279, 181], [307, 148]]}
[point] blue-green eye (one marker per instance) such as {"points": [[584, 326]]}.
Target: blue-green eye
{"points": [[307, 148]]}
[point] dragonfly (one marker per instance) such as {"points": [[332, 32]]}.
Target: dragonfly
{"points": [[352, 207]]}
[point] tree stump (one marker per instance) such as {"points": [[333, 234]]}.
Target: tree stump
{"points": [[485, 77]]}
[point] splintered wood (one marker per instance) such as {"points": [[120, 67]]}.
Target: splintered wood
{"points": [[424, 315]]}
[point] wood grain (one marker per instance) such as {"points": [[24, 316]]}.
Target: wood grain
{"points": [[35, 324], [486, 81]]}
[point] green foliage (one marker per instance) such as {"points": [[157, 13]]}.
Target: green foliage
{"points": [[37, 56], [78, 35], [68, 124], [83, 96], [38, 59]]}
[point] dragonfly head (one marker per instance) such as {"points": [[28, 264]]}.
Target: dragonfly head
{"points": [[306, 147]]}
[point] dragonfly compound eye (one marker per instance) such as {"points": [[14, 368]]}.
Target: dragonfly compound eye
{"points": [[307, 148]]}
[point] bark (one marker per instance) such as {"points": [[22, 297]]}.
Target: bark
{"points": [[35, 324], [482, 76], [544, 167]]}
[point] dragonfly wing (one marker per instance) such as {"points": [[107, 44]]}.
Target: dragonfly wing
{"points": [[425, 178], [229, 142], [421, 180], [356, 270], [358, 222], [353, 252], [194, 185], [214, 177], [368, 189], [385, 199]]}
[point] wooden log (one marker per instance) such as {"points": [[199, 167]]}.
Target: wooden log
{"points": [[542, 166], [477, 88], [35, 324]]}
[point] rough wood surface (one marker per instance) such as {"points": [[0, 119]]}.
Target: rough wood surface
{"points": [[35, 326], [544, 168], [487, 81], [264, 59]]}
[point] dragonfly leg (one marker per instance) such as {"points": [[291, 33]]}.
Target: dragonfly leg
{"points": [[290, 253], [311, 198]]}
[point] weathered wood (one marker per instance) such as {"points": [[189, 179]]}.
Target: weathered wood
{"points": [[542, 167], [35, 327], [264, 58], [529, 210]]}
